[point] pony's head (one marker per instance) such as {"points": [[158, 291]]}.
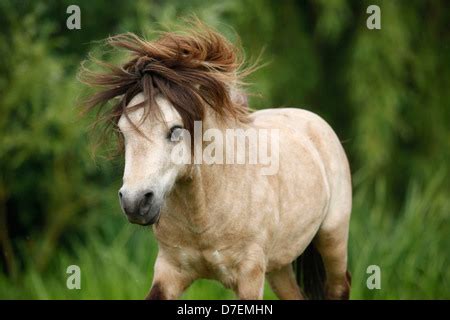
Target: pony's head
{"points": [[164, 87]]}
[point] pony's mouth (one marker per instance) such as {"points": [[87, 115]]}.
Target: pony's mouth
{"points": [[151, 217]]}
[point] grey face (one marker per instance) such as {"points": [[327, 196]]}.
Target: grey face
{"points": [[149, 171]]}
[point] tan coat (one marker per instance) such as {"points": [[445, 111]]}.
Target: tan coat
{"points": [[232, 224]]}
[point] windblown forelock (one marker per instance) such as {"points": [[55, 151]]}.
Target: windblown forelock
{"points": [[192, 71]]}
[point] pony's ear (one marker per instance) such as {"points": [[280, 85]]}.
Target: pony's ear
{"points": [[238, 97]]}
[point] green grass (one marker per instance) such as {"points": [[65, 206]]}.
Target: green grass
{"points": [[410, 246]]}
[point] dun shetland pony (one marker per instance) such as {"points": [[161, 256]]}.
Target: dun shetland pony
{"points": [[226, 222]]}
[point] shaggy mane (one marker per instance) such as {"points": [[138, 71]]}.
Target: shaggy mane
{"points": [[193, 70]]}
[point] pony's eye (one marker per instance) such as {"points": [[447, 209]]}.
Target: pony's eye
{"points": [[175, 133]]}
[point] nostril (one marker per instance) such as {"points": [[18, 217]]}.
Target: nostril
{"points": [[146, 201], [120, 195], [148, 195]]}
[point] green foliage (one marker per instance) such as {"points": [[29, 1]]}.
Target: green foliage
{"points": [[384, 91]]}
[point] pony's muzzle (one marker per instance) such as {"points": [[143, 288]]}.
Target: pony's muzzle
{"points": [[140, 208]]}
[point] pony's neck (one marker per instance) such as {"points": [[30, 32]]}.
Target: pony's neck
{"points": [[189, 198], [214, 121], [202, 185]]}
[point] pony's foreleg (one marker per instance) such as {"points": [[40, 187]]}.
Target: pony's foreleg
{"points": [[250, 281], [284, 285], [168, 281]]}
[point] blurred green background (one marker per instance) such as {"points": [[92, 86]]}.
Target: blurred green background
{"points": [[385, 92]]}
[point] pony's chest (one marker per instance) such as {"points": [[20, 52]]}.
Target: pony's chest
{"points": [[210, 263]]}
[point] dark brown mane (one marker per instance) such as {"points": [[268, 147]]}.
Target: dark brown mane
{"points": [[193, 70]]}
